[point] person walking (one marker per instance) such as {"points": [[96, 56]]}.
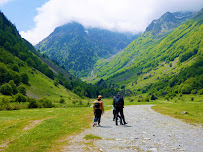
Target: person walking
{"points": [[98, 109], [118, 103], [114, 115]]}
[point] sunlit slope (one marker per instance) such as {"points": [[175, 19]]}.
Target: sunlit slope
{"points": [[148, 52]]}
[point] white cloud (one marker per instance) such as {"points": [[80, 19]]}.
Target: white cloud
{"points": [[3, 2], [118, 15]]}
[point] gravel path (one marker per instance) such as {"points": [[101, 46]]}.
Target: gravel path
{"points": [[146, 131]]}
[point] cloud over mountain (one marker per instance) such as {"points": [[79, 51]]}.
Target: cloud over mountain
{"points": [[116, 15]]}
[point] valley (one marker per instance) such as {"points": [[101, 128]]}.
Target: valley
{"points": [[47, 90]]}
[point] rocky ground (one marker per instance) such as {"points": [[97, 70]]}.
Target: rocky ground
{"points": [[146, 131]]}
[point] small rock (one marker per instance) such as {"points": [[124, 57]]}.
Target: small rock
{"points": [[185, 112], [147, 138], [100, 149], [182, 149], [153, 149]]}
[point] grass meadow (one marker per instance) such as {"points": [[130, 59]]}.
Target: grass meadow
{"points": [[48, 129], [41, 129]]}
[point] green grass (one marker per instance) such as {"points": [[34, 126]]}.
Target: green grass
{"points": [[42, 86], [192, 104], [48, 129], [93, 137], [54, 125]]}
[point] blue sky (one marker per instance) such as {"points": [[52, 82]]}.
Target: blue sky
{"points": [[37, 19], [22, 12]]}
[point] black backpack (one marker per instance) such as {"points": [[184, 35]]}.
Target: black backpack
{"points": [[117, 101], [97, 105]]}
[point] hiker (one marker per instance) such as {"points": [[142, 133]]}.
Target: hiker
{"points": [[98, 110], [118, 103], [114, 115]]}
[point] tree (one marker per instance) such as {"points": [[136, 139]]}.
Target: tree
{"points": [[20, 98], [6, 89], [21, 89], [13, 85], [22, 56], [67, 85], [24, 78], [30, 62], [48, 72]]}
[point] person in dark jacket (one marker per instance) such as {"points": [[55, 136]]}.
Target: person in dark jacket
{"points": [[118, 103]]}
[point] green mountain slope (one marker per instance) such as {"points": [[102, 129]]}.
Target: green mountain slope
{"points": [[78, 48], [151, 57], [35, 74], [23, 75]]}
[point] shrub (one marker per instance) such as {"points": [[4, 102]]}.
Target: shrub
{"points": [[5, 103], [33, 103], [6, 89], [45, 103], [21, 89], [24, 78], [167, 98], [153, 97], [147, 99], [62, 100], [194, 91], [144, 91], [56, 82], [80, 102], [200, 92], [186, 89], [122, 87], [131, 100], [20, 98]]}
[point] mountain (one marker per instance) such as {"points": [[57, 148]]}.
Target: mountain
{"points": [[168, 22], [157, 59], [24, 76], [27, 75], [78, 48]]}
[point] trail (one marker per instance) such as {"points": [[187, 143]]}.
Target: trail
{"points": [[146, 131]]}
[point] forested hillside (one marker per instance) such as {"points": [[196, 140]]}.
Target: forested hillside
{"points": [[30, 78], [159, 58], [78, 48]]}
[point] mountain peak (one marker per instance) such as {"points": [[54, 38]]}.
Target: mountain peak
{"points": [[168, 22]]}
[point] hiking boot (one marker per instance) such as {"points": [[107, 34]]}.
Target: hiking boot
{"points": [[121, 122], [94, 124]]}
